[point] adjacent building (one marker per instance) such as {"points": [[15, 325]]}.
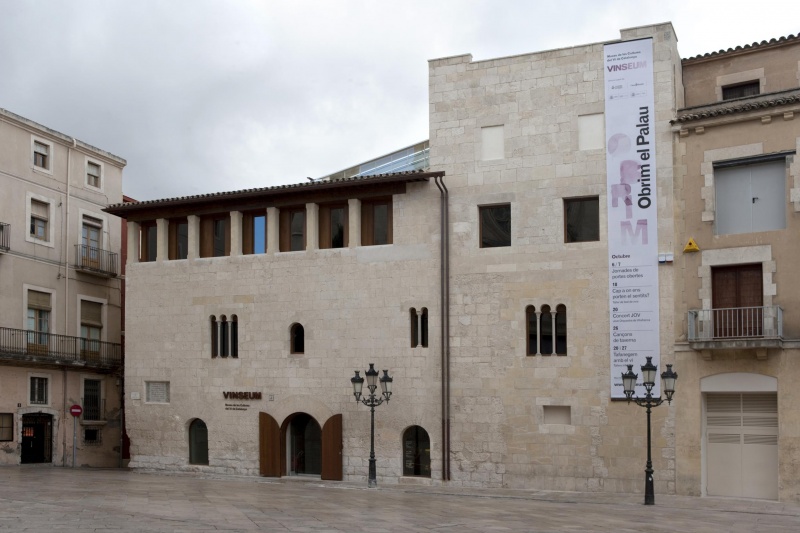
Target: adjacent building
{"points": [[737, 313], [60, 308]]}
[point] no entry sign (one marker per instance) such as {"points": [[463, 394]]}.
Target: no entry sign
{"points": [[76, 410]]}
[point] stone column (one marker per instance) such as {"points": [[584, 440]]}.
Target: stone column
{"points": [[312, 227], [538, 332], [193, 237], [553, 318], [236, 233], [162, 240], [273, 230], [354, 222]]}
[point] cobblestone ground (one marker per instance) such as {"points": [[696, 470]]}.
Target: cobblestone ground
{"points": [[57, 499]]}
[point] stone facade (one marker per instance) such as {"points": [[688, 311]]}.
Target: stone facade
{"points": [[57, 243], [516, 137]]}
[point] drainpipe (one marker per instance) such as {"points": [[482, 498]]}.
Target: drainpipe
{"points": [[65, 240], [444, 297]]}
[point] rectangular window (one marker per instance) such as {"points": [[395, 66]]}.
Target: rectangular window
{"points": [[178, 238], [93, 174], [92, 404], [581, 219], [293, 229], [495, 225], [91, 328], [740, 90], [492, 143], [38, 391], [333, 230], [41, 155], [376, 222], [750, 197], [149, 242], [215, 236], [157, 391], [40, 214], [91, 436], [6, 427], [254, 232], [38, 325]]}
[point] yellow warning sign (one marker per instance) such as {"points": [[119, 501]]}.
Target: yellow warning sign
{"points": [[691, 246]]}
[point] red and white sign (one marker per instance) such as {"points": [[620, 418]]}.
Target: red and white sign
{"points": [[76, 410]]}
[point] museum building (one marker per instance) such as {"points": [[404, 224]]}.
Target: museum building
{"points": [[476, 268]]}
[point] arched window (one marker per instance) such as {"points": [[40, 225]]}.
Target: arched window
{"points": [[223, 336], [234, 327], [412, 317], [530, 331], [546, 331], [423, 326], [198, 442], [561, 329], [416, 452], [297, 338], [214, 339]]}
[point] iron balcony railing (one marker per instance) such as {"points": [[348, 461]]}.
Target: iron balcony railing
{"points": [[96, 261], [764, 322], [94, 409], [5, 236], [49, 348]]}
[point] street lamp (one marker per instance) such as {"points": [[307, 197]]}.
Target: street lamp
{"points": [[649, 380], [372, 402]]}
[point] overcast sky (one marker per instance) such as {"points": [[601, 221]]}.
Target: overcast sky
{"points": [[204, 96]]}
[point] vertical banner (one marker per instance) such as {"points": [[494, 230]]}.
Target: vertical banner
{"points": [[632, 209]]}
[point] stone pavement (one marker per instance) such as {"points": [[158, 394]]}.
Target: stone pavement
{"points": [[37, 498]]}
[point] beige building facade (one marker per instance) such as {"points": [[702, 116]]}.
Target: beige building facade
{"points": [[481, 285], [60, 321], [737, 185]]}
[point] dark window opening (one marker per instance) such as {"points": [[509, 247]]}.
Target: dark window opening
{"points": [[297, 335], [293, 229], [531, 327], [376, 222], [581, 219], [495, 225], [423, 327], [214, 337], [561, 330], [178, 239], [416, 452], [413, 320], [6, 427], [149, 242], [741, 90], [546, 330], [91, 436], [198, 442]]}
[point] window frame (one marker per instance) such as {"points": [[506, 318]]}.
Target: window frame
{"points": [[755, 83], [40, 390], [486, 207], [577, 199], [326, 224], [148, 231], [8, 426], [208, 237], [249, 231], [368, 220], [173, 238], [719, 169], [286, 216], [49, 222], [47, 168], [100, 174]]}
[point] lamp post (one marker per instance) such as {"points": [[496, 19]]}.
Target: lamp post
{"points": [[372, 402], [649, 380]]}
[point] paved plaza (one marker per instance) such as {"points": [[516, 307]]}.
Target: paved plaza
{"points": [[36, 498]]}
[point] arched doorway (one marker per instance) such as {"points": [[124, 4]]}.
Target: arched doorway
{"points": [[198, 442], [37, 438], [416, 452], [303, 438]]}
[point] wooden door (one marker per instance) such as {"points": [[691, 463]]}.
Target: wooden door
{"points": [[332, 448], [269, 446], [737, 297]]}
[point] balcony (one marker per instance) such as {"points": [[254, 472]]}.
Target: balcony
{"points": [[5, 236], [96, 261], [28, 348], [739, 328]]}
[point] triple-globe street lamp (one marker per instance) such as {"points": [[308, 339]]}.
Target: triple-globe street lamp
{"points": [[649, 380], [372, 401]]}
